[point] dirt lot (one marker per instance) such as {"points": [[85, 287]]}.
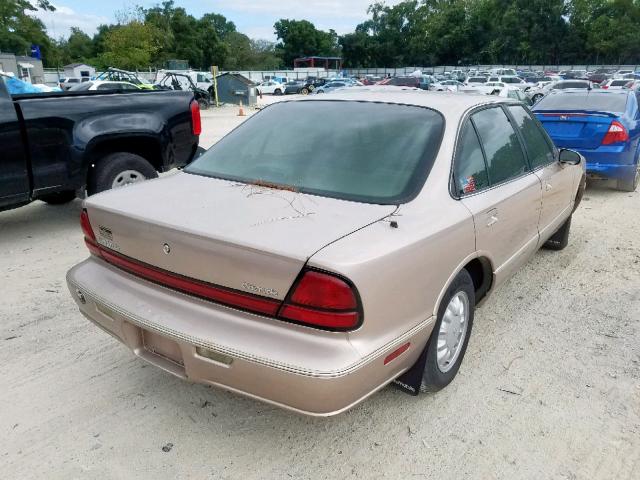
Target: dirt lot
{"points": [[549, 389]]}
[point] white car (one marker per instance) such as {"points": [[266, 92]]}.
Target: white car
{"points": [[511, 80], [446, 86], [103, 85], [475, 81], [616, 83], [270, 87]]}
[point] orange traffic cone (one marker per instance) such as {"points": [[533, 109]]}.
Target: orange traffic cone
{"points": [[241, 110]]}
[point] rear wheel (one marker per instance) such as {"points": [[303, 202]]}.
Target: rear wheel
{"points": [[119, 169], [203, 104], [277, 92], [560, 239], [58, 198], [630, 184], [450, 337]]}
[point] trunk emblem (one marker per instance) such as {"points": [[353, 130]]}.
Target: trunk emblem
{"points": [[166, 248]]}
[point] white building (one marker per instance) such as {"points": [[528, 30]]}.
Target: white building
{"points": [[79, 70]]}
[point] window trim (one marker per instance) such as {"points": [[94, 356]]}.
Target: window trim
{"points": [[467, 118], [545, 135]]}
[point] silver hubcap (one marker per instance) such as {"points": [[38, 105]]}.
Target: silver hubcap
{"points": [[127, 178], [453, 331]]}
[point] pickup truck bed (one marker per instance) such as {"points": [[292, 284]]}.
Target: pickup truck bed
{"points": [[57, 144]]}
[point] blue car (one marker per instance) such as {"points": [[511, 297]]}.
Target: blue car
{"points": [[603, 125]]}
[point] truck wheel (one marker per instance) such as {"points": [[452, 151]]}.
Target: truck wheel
{"points": [[58, 198], [450, 337], [629, 184], [560, 239], [203, 104], [119, 169]]}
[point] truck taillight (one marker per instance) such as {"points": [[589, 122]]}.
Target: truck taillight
{"points": [[196, 121], [322, 300], [617, 133]]}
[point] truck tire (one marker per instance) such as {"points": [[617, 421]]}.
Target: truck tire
{"points": [[58, 198], [119, 169], [203, 104], [560, 239], [447, 345]]}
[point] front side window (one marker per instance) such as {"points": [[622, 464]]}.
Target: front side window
{"points": [[469, 171], [361, 151], [505, 159], [539, 150]]}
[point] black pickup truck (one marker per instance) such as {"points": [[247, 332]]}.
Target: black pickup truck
{"points": [[54, 146]]}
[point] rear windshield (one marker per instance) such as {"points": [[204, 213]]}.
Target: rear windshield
{"points": [[477, 79], [362, 151], [563, 85], [619, 83], [599, 102]]}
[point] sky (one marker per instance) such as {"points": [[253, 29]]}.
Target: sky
{"points": [[254, 18]]}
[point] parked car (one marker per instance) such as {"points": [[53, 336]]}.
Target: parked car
{"points": [[348, 253], [296, 86], [405, 81], [57, 144], [181, 81], [67, 83], [474, 81], [601, 75], [332, 86], [118, 75], [603, 125], [103, 85], [511, 80], [446, 86], [270, 87], [515, 93], [615, 84]]}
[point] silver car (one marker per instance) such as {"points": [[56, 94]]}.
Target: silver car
{"points": [[310, 263]]}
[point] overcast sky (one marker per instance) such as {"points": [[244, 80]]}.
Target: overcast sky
{"points": [[252, 17]]}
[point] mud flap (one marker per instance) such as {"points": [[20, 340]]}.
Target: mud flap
{"points": [[411, 380]]}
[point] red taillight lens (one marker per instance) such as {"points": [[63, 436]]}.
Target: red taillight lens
{"points": [[196, 121], [605, 86], [322, 300], [617, 133], [86, 226]]}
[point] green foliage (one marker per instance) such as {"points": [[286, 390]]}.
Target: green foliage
{"points": [[131, 46], [301, 38], [19, 30]]}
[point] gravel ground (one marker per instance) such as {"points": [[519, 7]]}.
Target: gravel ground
{"points": [[549, 388]]}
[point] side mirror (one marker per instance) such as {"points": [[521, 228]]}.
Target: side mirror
{"points": [[569, 157]]}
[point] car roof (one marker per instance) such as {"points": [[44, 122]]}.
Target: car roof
{"points": [[447, 103]]}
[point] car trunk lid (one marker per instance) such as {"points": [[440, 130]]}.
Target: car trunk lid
{"points": [[248, 238], [582, 130]]}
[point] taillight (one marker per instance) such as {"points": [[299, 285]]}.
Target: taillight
{"points": [[604, 86], [617, 133], [89, 236], [323, 300], [196, 121]]}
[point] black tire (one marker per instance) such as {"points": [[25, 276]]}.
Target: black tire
{"points": [[203, 104], [629, 184], [277, 91], [108, 168], [560, 239], [433, 379], [536, 97], [304, 91], [58, 198]]}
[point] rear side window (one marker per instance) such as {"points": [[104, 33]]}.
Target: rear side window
{"points": [[469, 171], [505, 159], [619, 83], [540, 153]]}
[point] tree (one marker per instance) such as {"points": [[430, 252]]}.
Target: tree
{"points": [[18, 31], [300, 38], [131, 46]]}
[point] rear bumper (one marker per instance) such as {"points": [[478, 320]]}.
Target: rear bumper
{"points": [[609, 162], [294, 367]]}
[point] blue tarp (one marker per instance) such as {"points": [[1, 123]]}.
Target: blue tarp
{"points": [[16, 86]]}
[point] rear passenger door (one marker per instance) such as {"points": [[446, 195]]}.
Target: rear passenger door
{"points": [[557, 179], [493, 180]]}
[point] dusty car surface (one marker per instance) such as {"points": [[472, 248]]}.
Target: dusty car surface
{"points": [[311, 273]]}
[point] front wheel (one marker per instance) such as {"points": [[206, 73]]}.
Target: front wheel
{"points": [[119, 169], [536, 97], [203, 104], [277, 92], [58, 198], [304, 91], [560, 239], [450, 337]]}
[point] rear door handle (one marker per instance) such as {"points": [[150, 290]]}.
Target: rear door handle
{"points": [[492, 217]]}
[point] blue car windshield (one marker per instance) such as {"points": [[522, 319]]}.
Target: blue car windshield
{"points": [[597, 102]]}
